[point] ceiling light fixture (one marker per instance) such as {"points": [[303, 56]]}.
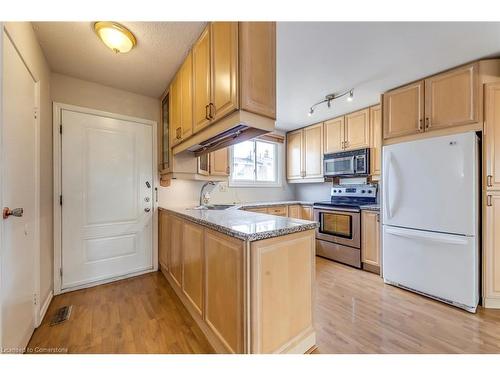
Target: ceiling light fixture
{"points": [[328, 100], [115, 36]]}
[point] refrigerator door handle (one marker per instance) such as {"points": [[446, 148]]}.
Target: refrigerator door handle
{"points": [[427, 236], [387, 204]]}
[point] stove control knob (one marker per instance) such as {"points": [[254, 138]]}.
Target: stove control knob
{"points": [[363, 191], [369, 191]]}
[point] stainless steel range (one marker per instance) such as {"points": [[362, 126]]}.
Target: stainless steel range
{"points": [[339, 234]]}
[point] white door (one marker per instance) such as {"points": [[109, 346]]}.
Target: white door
{"points": [[442, 265], [432, 184], [19, 191], [107, 198]]}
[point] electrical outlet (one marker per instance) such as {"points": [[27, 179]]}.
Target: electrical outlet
{"points": [[223, 187]]}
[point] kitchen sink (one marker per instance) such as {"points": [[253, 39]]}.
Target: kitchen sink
{"points": [[214, 207]]}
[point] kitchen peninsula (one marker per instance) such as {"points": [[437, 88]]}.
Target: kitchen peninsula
{"points": [[247, 278]]}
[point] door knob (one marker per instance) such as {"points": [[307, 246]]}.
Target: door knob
{"points": [[147, 209], [18, 212]]}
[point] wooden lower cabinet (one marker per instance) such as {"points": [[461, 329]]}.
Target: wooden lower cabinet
{"points": [[224, 289], [370, 241], [294, 211], [175, 261], [163, 239], [278, 210], [306, 213], [491, 251], [240, 293], [192, 264]]}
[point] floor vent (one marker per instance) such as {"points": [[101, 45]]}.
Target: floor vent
{"points": [[61, 315]]}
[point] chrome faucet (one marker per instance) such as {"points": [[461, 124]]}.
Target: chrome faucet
{"points": [[203, 188]]}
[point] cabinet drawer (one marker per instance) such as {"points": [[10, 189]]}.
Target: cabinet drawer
{"points": [[278, 210], [261, 210]]}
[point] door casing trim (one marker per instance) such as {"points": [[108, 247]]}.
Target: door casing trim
{"points": [[56, 121]]}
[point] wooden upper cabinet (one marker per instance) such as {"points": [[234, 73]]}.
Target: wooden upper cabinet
{"points": [[375, 140], [491, 136], [333, 135], [224, 69], [313, 151], [370, 235], [357, 130], [294, 165], [451, 98], [192, 264], [175, 110], [257, 45], [186, 87], [201, 81], [403, 110], [219, 162]]}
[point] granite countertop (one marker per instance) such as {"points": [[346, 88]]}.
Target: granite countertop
{"points": [[371, 207], [268, 204], [245, 225]]}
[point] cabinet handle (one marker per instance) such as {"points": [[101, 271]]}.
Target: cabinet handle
{"points": [[207, 115], [346, 144], [378, 218], [427, 123], [488, 201], [488, 180], [420, 125], [178, 133], [228, 170], [210, 105], [342, 144]]}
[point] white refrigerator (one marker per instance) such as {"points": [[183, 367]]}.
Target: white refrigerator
{"points": [[430, 217]]}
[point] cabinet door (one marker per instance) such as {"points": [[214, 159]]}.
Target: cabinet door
{"points": [[278, 210], [175, 110], [313, 151], [294, 211], [294, 166], [164, 162], [451, 98], [175, 263], [224, 289], [491, 136], [334, 135], [186, 76], [257, 46], [357, 130], [370, 238], [224, 48], [192, 264], [306, 213], [404, 110], [219, 162], [492, 249], [375, 140], [163, 239], [201, 81]]}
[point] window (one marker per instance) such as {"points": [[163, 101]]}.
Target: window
{"points": [[254, 163]]}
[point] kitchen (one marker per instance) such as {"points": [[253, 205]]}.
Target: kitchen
{"points": [[333, 222]]}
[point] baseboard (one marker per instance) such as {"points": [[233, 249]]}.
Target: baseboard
{"points": [[491, 303], [44, 308]]}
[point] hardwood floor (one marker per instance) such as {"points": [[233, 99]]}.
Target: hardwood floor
{"points": [[355, 313], [137, 315]]}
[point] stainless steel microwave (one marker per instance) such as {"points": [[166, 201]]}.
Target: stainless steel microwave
{"points": [[347, 163]]}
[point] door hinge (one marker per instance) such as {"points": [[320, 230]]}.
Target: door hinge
{"points": [[60, 200], [60, 129], [35, 299]]}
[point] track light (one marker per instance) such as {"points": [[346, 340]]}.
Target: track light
{"points": [[330, 97]]}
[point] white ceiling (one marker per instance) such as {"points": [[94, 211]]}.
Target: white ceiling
{"points": [[315, 59], [73, 48]]}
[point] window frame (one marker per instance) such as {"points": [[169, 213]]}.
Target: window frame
{"points": [[278, 157]]}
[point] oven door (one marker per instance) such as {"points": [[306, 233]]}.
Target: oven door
{"points": [[339, 226], [339, 166]]}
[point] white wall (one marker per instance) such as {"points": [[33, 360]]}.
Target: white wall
{"points": [[187, 193], [26, 42], [313, 192]]}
